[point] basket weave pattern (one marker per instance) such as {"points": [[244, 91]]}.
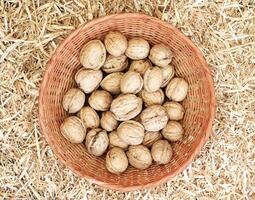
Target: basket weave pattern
{"points": [[188, 63]]}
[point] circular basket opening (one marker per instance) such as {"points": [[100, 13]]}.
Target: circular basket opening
{"points": [[188, 63]]}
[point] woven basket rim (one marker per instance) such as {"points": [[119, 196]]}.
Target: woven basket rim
{"points": [[208, 132]]}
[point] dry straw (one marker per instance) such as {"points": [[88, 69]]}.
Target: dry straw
{"points": [[29, 33]]}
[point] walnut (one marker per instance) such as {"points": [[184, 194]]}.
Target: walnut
{"points": [[111, 82], [168, 74], [100, 100], [73, 129], [160, 55], [93, 54], [140, 66], [177, 89], [138, 48], [126, 106], [153, 79], [89, 117], [154, 118], [108, 122], [174, 110], [115, 64], [97, 141], [150, 137], [131, 82], [173, 131], [131, 132], [152, 98], [88, 80], [161, 152], [139, 156], [115, 43], [116, 160], [116, 141], [73, 100]]}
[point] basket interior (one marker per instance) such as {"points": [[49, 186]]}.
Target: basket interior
{"points": [[59, 78]]}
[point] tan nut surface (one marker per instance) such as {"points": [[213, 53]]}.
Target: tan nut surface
{"points": [[126, 106], [167, 73], [115, 43], [138, 48], [152, 98], [116, 160], [73, 100], [173, 131], [131, 82], [73, 129], [89, 117], [161, 152], [100, 100], [153, 79], [139, 156], [116, 141], [115, 64], [111, 82], [88, 80], [108, 121], [150, 137], [131, 132], [154, 118], [160, 55], [175, 110], [140, 66], [97, 141], [177, 89], [93, 54]]}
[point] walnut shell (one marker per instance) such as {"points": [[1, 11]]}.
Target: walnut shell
{"points": [[138, 48], [89, 117], [93, 54], [175, 111], [140, 66], [116, 141], [115, 43], [153, 79], [161, 152], [97, 141], [126, 107], [100, 100], [116, 160], [131, 82], [88, 80], [108, 121], [111, 82], [131, 132], [73, 129], [177, 89], [150, 137], [168, 74], [152, 98], [160, 55], [173, 131], [154, 118], [115, 64], [139, 156], [73, 100]]}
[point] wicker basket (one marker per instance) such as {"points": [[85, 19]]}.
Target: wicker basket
{"points": [[199, 104]]}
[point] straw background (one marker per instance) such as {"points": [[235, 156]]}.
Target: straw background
{"points": [[224, 30]]}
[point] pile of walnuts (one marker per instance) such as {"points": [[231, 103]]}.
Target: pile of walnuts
{"points": [[132, 106]]}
